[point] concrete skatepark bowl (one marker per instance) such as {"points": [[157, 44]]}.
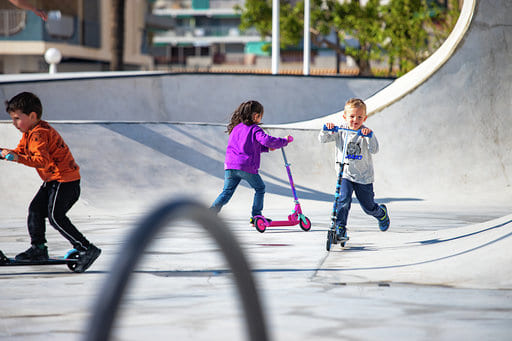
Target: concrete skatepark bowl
{"points": [[442, 271]]}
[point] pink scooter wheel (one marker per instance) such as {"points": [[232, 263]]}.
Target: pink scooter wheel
{"points": [[260, 225], [306, 226]]}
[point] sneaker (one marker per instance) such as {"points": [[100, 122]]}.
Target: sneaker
{"points": [[87, 257], [384, 221], [33, 254], [251, 221], [3, 258], [341, 234]]}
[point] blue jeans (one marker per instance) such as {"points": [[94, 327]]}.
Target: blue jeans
{"points": [[364, 194], [232, 178]]}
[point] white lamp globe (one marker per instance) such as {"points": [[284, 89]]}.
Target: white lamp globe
{"points": [[53, 57]]}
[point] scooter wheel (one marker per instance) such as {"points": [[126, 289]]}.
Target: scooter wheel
{"points": [[260, 225], [330, 238], [73, 255], [306, 226]]}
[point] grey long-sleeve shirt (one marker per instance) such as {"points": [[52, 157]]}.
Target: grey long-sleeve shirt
{"points": [[359, 164]]}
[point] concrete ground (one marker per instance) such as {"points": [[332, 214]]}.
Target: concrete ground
{"points": [[442, 271]]}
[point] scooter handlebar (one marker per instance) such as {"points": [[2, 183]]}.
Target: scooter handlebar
{"points": [[8, 157], [289, 138], [337, 128]]}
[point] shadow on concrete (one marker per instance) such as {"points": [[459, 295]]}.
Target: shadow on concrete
{"points": [[207, 273], [194, 158], [198, 160], [436, 241]]}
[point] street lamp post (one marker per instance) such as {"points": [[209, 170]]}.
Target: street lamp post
{"points": [[307, 39], [275, 37], [53, 57]]}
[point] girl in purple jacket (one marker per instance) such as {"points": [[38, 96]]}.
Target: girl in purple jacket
{"points": [[246, 142]]}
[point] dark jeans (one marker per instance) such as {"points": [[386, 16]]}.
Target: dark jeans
{"points": [[364, 194], [232, 178], [53, 200]]}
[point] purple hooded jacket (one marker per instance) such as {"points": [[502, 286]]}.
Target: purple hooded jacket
{"points": [[245, 145]]}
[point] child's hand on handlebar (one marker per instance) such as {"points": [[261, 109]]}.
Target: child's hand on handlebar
{"points": [[366, 131], [330, 125], [9, 155], [289, 138]]}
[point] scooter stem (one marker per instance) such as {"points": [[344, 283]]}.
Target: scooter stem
{"points": [[287, 165]]}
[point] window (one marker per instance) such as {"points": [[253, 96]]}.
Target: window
{"points": [[12, 21]]}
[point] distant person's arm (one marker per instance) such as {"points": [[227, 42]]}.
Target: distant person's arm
{"points": [[28, 6]]}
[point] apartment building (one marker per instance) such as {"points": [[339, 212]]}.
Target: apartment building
{"points": [[79, 29], [202, 33]]}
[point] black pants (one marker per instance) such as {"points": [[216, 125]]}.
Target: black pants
{"points": [[53, 200]]}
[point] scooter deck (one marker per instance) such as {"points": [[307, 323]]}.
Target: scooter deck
{"points": [[284, 223], [6, 261], [49, 261]]}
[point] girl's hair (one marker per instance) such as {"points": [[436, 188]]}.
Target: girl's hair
{"points": [[244, 114]]}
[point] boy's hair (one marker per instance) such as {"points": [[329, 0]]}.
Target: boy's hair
{"points": [[355, 103], [244, 114], [27, 102]]}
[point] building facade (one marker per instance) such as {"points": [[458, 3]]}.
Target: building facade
{"points": [[79, 29], [201, 33]]}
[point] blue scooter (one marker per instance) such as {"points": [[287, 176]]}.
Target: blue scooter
{"points": [[331, 233]]}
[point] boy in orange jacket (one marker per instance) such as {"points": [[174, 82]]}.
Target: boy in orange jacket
{"points": [[43, 148]]}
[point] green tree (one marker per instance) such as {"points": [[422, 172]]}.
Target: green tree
{"points": [[442, 22], [404, 31], [406, 41], [350, 21], [414, 29], [258, 14], [362, 23]]}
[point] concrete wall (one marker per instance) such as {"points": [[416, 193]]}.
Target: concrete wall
{"points": [[188, 97], [451, 135]]}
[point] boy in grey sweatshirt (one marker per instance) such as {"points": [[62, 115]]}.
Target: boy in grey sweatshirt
{"points": [[358, 174]]}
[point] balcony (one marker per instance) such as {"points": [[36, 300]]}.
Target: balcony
{"points": [[12, 22], [196, 4], [206, 35], [18, 25]]}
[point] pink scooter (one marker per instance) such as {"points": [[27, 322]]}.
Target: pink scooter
{"points": [[295, 218]]}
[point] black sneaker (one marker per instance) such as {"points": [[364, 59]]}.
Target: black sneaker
{"points": [[33, 254], [87, 257], [341, 234], [384, 221], [3, 258], [251, 221]]}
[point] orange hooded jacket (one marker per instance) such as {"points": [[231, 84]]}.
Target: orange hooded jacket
{"points": [[44, 149]]}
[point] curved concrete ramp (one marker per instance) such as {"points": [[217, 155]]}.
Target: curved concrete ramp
{"points": [[162, 97], [453, 130], [472, 256], [438, 146], [440, 273], [447, 140], [447, 122]]}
